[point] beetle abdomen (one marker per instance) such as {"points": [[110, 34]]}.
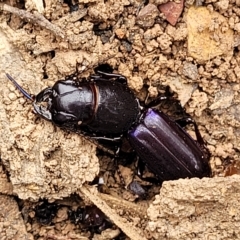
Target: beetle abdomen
{"points": [[168, 151]]}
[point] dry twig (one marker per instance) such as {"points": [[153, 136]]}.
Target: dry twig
{"points": [[35, 18], [131, 231]]}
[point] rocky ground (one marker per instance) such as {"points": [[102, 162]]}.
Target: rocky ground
{"points": [[190, 46]]}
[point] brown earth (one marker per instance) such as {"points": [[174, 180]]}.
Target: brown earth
{"points": [[198, 58]]}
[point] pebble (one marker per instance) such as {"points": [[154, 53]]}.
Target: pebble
{"points": [[147, 15], [12, 96], [172, 11]]}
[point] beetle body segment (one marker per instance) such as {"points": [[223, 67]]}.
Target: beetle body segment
{"points": [[70, 103], [101, 107], [167, 150]]}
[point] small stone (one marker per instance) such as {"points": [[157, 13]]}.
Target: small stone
{"points": [[172, 11], [12, 96], [222, 5], [127, 46], [153, 91], [223, 99], [120, 33], [147, 15], [190, 70], [237, 27], [218, 161]]}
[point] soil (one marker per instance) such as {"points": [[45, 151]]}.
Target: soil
{"points": [[195, 52]]}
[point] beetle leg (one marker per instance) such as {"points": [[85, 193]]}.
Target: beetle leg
{"points": [[156, 101], [111, 75], [96, 140], [107, 139], [119, 172], [186, 121], [120, 78], [100, 146], [141, 166]]}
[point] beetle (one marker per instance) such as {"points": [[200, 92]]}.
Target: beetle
{"points": [[104, 109], [91, 217], [45, 212]]}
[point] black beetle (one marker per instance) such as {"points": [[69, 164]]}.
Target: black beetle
{"points": [[90, 217], [45, 212], [106, 110]]}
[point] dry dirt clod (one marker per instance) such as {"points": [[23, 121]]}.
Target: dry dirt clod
{"points": [[206, 208], [208, 34], [6, 186], [11, 222]]}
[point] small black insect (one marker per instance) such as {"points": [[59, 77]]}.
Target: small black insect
{"points": [[91, 217], [45, 212], [104, 109]]}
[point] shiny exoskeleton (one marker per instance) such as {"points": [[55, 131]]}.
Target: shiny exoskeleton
{"points": [[106, 110], [167, 149], [45, 212], [91, 217]]}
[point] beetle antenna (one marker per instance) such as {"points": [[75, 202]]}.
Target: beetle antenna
{"points": [[27, 95]]}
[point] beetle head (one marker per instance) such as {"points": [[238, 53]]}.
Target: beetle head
{"points": [[43, 96]]}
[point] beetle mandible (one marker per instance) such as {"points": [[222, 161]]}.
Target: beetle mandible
{"points": [[104, 109]]}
